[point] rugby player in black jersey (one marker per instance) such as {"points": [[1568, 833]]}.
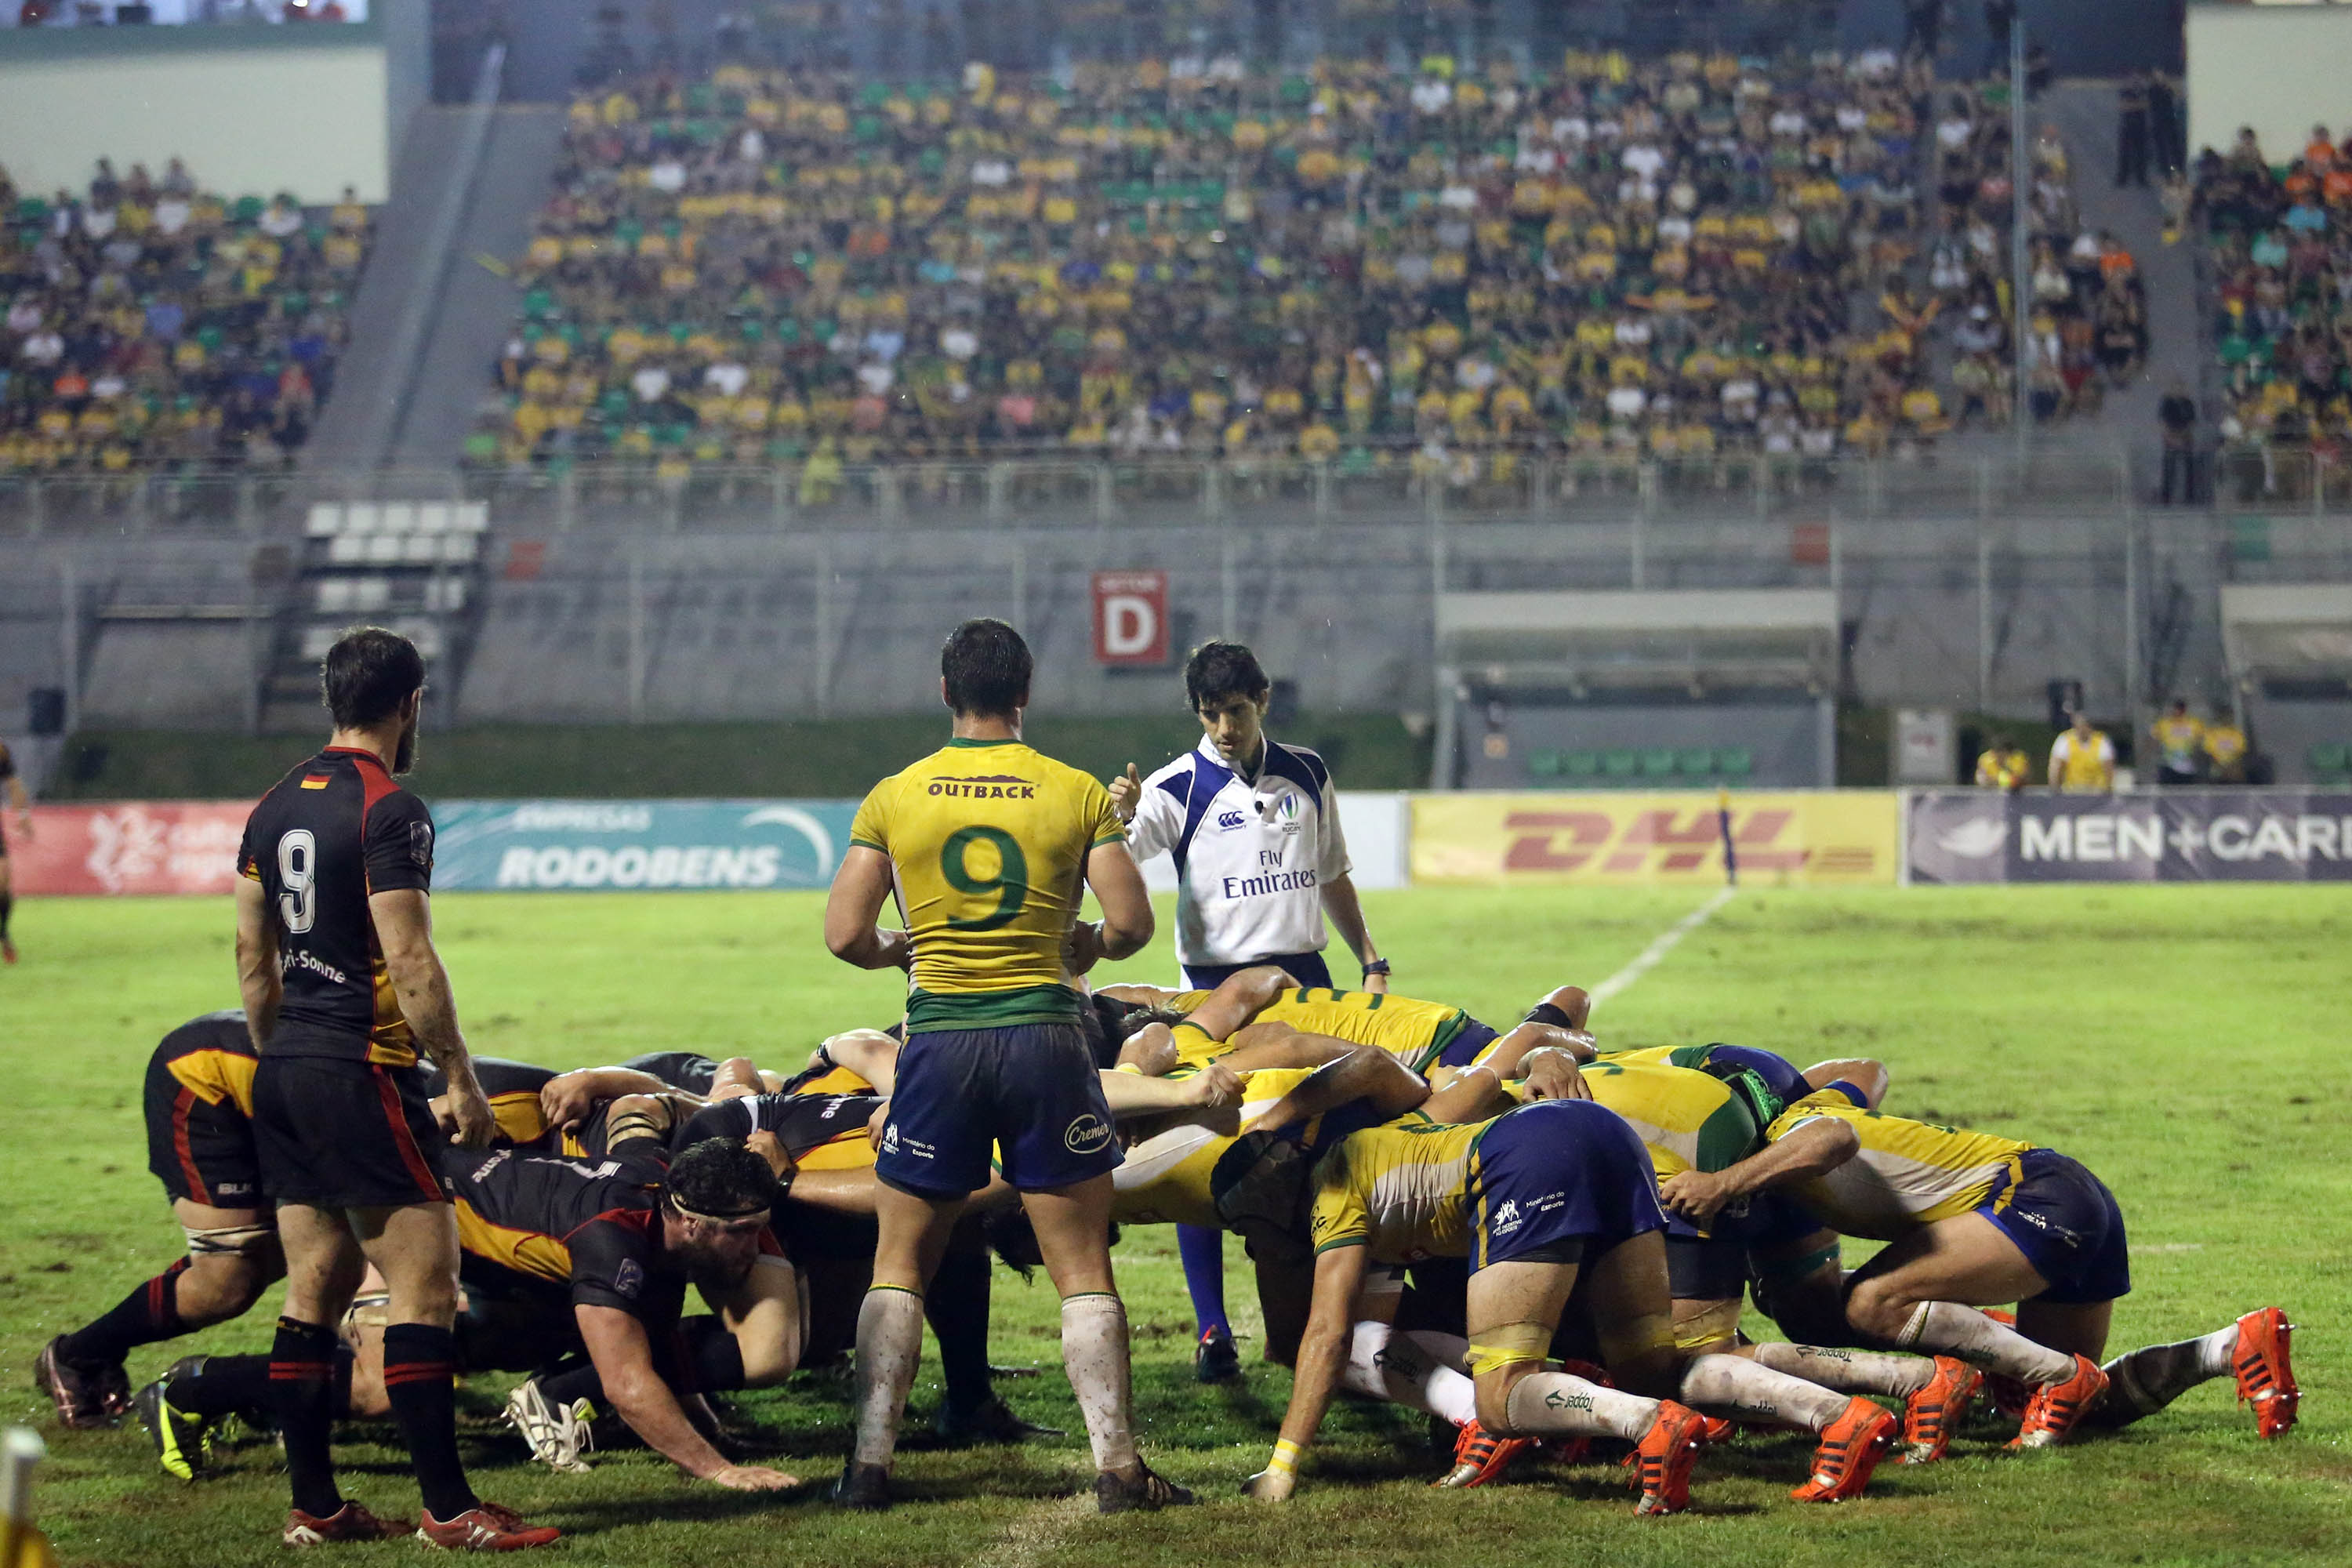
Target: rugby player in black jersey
{"points": [[343, 989], [15, 787]]}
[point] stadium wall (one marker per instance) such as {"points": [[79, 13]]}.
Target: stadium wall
{"points": [[251, 111], [2280, 68]]}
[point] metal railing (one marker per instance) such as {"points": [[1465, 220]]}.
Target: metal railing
{"points": [[670, 496]]}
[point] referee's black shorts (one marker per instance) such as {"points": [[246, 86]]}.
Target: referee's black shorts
{"points": [[332, 1132]]}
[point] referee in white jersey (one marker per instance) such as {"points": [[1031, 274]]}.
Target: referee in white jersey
{"points": [[1253, 826]]}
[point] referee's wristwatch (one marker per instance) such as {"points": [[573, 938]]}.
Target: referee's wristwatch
{"points": [[1376, 966]]}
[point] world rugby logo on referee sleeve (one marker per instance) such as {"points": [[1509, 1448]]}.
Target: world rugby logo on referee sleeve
{"points": [[1086, 1134]]}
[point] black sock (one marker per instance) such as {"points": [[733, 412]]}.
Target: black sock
{"points": [[302, 1372], [957, 1307], [420, 1374], [573, 1381], [150, 1313], [714, 1361], [7, 903], [220, 1386]]}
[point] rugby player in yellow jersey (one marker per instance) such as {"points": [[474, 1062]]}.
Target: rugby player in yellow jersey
{"points": [[1689, 1120], [1421, 1035], [987, 847], [1976, 1221], [1535, 1199]]}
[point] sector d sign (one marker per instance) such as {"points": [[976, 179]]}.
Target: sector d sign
{"points": [[1131, 619]]}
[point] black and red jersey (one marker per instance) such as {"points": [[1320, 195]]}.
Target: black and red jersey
{"points": [[804, 1124], [511, 1088], [212, 1057], [326, 837], [592, 1227]]}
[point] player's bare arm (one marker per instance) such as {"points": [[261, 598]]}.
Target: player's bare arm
{"points": [[403, 925], [1126, 922], [624, 1365], [1812, 1149], [1322, 1352], [1365, 1073], [859, 889], [258, 979], [1865, 1073], [569, 1099], [869, 1053]]}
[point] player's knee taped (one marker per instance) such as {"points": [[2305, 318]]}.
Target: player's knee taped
{"points": [[369, 1312], [1636, 1338], [1717, 1326], [1507, 1344], [231, 1240]]}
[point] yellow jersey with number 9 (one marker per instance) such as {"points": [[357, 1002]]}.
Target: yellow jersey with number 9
{"points": [[988, 843]]}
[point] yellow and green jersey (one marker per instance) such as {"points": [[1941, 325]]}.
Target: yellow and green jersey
{"points": [[1399, 1191], [1164, 1179], [1688, 1120], [1413, 1031], [1907, 1174], [988, 843]]}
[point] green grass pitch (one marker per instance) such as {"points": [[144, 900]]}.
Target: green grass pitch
{"points": [[2186, 1043]]}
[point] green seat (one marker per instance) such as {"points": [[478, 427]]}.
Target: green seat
{"points": [[1543, 764], [1580, 765], [1733, 762], [1658, 763], [1620, 764], [1698, 761], [2329, 757]]}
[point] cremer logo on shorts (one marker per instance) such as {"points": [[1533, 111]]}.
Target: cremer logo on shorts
{"points": [[1258, 887], [1086, 1135]]}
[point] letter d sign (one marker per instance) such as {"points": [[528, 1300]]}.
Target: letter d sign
{"points": [[1131, 619]]}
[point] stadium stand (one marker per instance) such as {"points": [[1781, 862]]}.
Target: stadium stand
{"points": [[152, 323], [2280, 309], [1639, 259], [2088, 332]]}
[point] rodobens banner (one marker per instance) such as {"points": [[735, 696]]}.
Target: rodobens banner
{"points": [[2147, 836], [596, 844]]}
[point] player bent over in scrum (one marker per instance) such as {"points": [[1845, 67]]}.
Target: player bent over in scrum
{"points": [[199, 1108], [1535, 1198]]}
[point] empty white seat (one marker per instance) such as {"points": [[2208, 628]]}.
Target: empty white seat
{"points": [[326, 520], [433, 517], [397, 517], [385, 547], [459, 548], [420, 547], [473, 516], [359, 517], [345, 549]]}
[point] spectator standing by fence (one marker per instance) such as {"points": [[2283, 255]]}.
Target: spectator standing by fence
{"points": [[2177, 413], [2225, 751], [2082, 759], [2003, 766], [2132, 134], [2180, 744]]}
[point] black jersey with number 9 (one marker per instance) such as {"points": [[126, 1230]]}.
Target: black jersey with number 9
{"points": [[330, 832]]}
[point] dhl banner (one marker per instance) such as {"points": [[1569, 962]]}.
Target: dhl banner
{"points": [[1840, 838]]}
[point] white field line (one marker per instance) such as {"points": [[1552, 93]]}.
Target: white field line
{"points": [[1664, 943]]}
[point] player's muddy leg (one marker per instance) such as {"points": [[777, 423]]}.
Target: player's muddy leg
{"points": [[1921, 1294], [913, 1235], [2075, 1328], [233, 1258], [2142, 1382], [1073, 1225]]}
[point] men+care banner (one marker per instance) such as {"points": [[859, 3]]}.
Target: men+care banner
{"points": [[2149, 836], [596, 844]]}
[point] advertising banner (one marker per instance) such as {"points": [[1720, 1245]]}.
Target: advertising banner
{"points": [[1841, 838], [131, 846], [2148, 836], [584, 845]]}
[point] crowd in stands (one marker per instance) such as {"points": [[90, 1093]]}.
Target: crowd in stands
{"points": [[149, 322], [1654, 259], [2280, 242], [2088, 327]]}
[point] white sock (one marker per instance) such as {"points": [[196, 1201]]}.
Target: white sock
{"points": [[1950, 1329], [1850, 1372], [890, 1346], [1094, 1352], [1734, 1385], [1548, 1402], [2217, 1352], [1404, 1369]]}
